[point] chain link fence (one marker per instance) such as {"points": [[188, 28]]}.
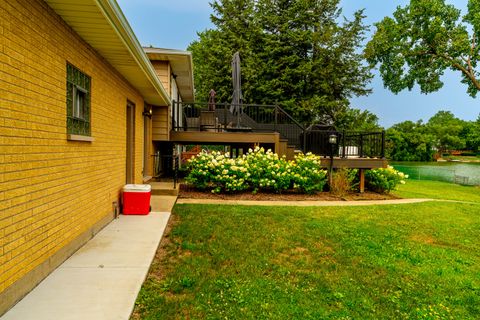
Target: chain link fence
{"points": [[462, 173]]}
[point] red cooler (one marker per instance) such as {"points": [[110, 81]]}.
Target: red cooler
{"points": [[136, 199]]}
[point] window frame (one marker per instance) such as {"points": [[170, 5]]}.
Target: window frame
{"points": [[83, 109], [78, 116]]}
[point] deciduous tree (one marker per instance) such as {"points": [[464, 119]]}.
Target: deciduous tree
{"points": [[422, 40], [446, 129], [409, 141]]}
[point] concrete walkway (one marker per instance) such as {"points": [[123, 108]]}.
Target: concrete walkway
{"points": [[100, 281], [302, 203]]}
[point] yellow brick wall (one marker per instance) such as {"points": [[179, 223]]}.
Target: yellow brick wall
{"points": [[52, 190]]}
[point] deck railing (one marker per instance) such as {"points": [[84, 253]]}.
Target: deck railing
{"points": [[225, 117], [350, 144]]}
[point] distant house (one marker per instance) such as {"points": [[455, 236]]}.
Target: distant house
{"points": [[76, 90]]}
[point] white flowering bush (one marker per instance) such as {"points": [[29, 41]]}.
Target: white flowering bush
{"points": [[257, 170], [217, 172], [267, 171], [384, 180], [308, 177]]}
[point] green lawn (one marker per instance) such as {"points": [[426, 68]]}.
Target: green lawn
{"points": [[463, 158], [438, 190], [417, 261]]}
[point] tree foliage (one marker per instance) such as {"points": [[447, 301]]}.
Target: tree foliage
{"points": [[357, 120], [294, 52], [472, 135], [409, 141], [447, 129], [422, 40], [418, 141]]}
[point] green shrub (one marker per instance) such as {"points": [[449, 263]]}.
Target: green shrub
{"points": [[217, 172], [257, 170], [384, 180], [267, 171], [344, 181], [308, 176]]}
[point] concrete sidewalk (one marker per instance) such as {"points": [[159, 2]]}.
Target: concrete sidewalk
{"points": [[101, 280]]}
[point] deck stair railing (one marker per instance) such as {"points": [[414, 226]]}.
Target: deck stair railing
{"points": [[225, 117]]}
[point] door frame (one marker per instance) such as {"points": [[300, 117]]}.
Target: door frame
{"points": [[130, 143]]}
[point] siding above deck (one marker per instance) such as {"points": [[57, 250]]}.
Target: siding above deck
{"points": [[162, 69], [160, 124]]}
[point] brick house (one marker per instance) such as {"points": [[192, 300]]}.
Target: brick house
{"points": [[75, 96], [84, 109]]}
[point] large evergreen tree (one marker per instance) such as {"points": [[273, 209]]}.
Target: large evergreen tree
{"points": [[294, 52]]}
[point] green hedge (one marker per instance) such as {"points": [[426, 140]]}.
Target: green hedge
{"points": [[261, 170], [257, 170]]}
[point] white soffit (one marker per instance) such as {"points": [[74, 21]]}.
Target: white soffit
{"points": [[103, 26], [182, 66]]}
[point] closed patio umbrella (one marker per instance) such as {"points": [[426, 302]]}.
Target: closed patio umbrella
{"points": [[237, 98]]}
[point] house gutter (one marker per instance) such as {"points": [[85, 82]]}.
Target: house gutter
{"points": [[114, 15]]}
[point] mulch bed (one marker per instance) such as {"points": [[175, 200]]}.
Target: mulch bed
{"points": [[188, 192]]}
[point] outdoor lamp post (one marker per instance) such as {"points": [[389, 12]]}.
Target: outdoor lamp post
{"points": [[332, 139]]}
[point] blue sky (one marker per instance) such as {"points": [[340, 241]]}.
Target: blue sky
{"points": [[174, 24]]}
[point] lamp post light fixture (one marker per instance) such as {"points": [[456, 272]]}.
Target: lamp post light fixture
{"points": [[332, 139], [148, 112]]}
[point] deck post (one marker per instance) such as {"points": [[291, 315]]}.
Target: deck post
{"points": [[361, 145], [276, 119], [225, 118], [304, 147], [174, 106], [362, 180], [383, 144]]}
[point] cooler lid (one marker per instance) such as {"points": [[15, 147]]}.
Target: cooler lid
{"points": [[137, 188]]}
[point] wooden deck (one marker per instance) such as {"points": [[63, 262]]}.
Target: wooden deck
{"points": [[251, 138], [357, 163], [207, 137]]}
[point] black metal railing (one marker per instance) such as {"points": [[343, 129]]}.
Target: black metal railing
{"points": [[166, 166], [225, 117], [348, 144]]}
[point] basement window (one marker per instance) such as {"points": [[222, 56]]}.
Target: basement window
{"points": [[78, 102]]}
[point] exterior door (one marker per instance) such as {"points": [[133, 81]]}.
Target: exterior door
{"points": [[130, 142]]}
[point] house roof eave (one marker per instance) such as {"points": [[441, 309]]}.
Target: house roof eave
{"points": [[103, 26]]}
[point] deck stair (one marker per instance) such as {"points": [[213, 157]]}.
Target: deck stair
{"points": [[292, 152], [164, 188]]}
